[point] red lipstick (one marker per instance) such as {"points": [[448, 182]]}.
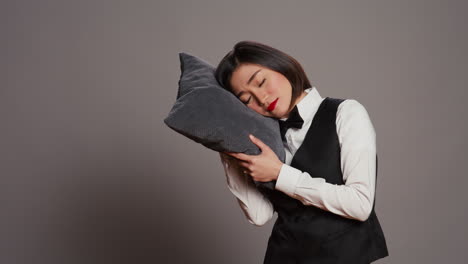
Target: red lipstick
{"points": [[272, 105]]}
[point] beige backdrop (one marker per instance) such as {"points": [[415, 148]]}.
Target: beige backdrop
{"points": [[91, 174]]}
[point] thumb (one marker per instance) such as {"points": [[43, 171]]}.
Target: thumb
{"points": [[258, 142]]}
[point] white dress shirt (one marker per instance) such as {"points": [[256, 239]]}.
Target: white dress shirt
{"points": [[353, 200]]}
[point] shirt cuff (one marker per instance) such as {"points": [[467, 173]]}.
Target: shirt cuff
{"points": [[287, 179]]}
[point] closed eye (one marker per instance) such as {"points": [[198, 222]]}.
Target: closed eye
{"points": [[260, 85]]}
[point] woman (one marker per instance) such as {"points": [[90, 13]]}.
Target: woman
{"points": [[324, 192]]}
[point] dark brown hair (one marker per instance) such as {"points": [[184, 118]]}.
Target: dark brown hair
{"points": [[261, 54]]}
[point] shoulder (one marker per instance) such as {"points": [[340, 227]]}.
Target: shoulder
{"points": [[351, 106], [352, 115], [351, 109]]}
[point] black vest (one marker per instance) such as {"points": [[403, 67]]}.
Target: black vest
{"points": [[307, 234]]}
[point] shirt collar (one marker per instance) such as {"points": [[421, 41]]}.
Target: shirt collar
{"points": [[307, 104]]}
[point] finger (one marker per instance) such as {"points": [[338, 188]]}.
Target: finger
{"points": [[246, 171], [244, 165], [258, 142], [226, 157], [231, 154], [240, 156]]}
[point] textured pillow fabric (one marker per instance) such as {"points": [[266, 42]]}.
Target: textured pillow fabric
{"points": [[212, 116]]}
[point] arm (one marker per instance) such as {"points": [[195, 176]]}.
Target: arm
{"points": [[256, 207], [355, 198]]}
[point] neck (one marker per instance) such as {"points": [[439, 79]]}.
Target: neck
{"points": [[303, 94]]}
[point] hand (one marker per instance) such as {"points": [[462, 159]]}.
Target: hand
{"points": [[263, 167]]}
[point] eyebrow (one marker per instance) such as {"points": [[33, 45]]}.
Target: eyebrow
{"points": [[250, 79]]}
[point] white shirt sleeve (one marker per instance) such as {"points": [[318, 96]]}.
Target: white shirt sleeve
{"points": [[355, 198], [256, 207]]}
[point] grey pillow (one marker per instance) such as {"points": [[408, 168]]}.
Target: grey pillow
{"points": [[212, 116]]}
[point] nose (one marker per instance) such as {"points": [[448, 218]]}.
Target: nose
{"points": [[264, 102], [261, 98]]}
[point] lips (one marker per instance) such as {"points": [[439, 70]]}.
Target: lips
{"points": [[272, 105]]}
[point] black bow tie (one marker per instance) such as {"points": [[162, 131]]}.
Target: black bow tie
{"points": [[294, 120]]}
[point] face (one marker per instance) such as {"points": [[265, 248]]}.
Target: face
{"points": [[265, 91]]}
